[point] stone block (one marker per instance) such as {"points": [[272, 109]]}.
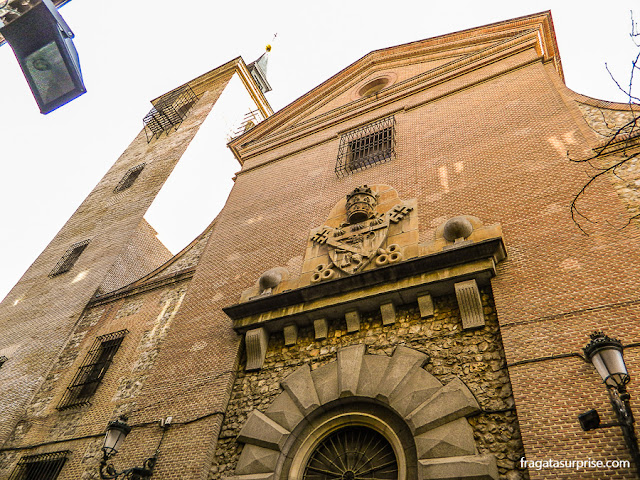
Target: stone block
{"points": [[260, 430], [255, 460], [256, 342], [320, 328], [470, 304], [416, 388], [472, 467], [449, 440], [349, 365], [371, 374], [300, 386], [388, 312], [284, 412], [425, 303], [403, 361], [325, 379], [353, 321], [290, 334], [451, 402]]}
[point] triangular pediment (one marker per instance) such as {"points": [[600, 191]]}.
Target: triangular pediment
{"points": [[388, 75]]}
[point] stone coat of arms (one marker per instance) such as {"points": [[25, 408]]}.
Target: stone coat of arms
{"points": [[357, 241]]}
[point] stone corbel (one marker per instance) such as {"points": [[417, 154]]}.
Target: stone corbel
{"points": [[470, 304], [290, 334], [256, 342], [353, 321], [425, 303], [321, 328], [388, 313]]}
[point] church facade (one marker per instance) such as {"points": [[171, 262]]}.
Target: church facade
{"points": [[398, 286]]}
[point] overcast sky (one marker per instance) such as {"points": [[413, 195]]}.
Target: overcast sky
{"points": [[131, 52]]}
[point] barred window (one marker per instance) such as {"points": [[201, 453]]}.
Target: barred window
{"points": [[131, 176], [92, 371], [69, 259], [366, 146], [44, 466]]}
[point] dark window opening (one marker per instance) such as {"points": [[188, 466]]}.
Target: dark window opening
{"points": [[69, 259], [368, 150], [92, 371], [45, 466], [2, 360], [129, 177], [366, 146]]}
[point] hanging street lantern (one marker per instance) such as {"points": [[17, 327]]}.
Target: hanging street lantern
{"points": [[606, 355], [42, 43], [115, 434]]}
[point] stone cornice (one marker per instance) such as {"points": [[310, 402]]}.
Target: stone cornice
{"points": [[402, 282]]}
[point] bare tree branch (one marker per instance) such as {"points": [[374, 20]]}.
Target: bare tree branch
{"points": [[618, 143]]}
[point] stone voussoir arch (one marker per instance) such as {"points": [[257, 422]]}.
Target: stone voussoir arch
{"points": [[434, 413]]}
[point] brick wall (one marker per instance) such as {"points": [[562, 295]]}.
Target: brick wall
{"points": [[38, 316], [143, 254]]}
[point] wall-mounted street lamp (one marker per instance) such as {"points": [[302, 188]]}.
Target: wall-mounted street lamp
{"points": [[114, 437], [605, 354], [41, 42]]}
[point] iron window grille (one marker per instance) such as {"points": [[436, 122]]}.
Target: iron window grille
{"points": [[44, 466], [168, 112], [69, 259], [92, 371], [131, 176], [366, 146]]}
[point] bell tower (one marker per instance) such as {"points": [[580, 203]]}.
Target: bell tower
{"points": [[107, 242]]}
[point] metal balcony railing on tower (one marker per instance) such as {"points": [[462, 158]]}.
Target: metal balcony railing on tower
{"points": [[169, 112]]}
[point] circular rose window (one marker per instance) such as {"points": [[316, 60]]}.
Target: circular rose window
{"points": [[373, 85], [352, 453]]}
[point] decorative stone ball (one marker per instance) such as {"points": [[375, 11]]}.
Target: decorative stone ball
{"points": [[457, 227], [269, 279]]}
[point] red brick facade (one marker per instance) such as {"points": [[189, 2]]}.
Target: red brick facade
{"points": [[484, 126]]}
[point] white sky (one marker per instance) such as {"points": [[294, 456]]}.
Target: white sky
{"points": [[133, 51]]}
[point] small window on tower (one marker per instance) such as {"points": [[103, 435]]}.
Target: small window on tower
{"points": [[45, 466], [92, 371], [129, 177], [69, 259], [366, 146]]}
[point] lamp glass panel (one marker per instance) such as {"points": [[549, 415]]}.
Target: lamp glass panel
{"points": [[614, 361], [113, 439], [49, 72], [597, 361], [612, 358]]}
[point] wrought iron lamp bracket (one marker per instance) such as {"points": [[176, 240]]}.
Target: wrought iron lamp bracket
{"points": [[108, 471]]}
